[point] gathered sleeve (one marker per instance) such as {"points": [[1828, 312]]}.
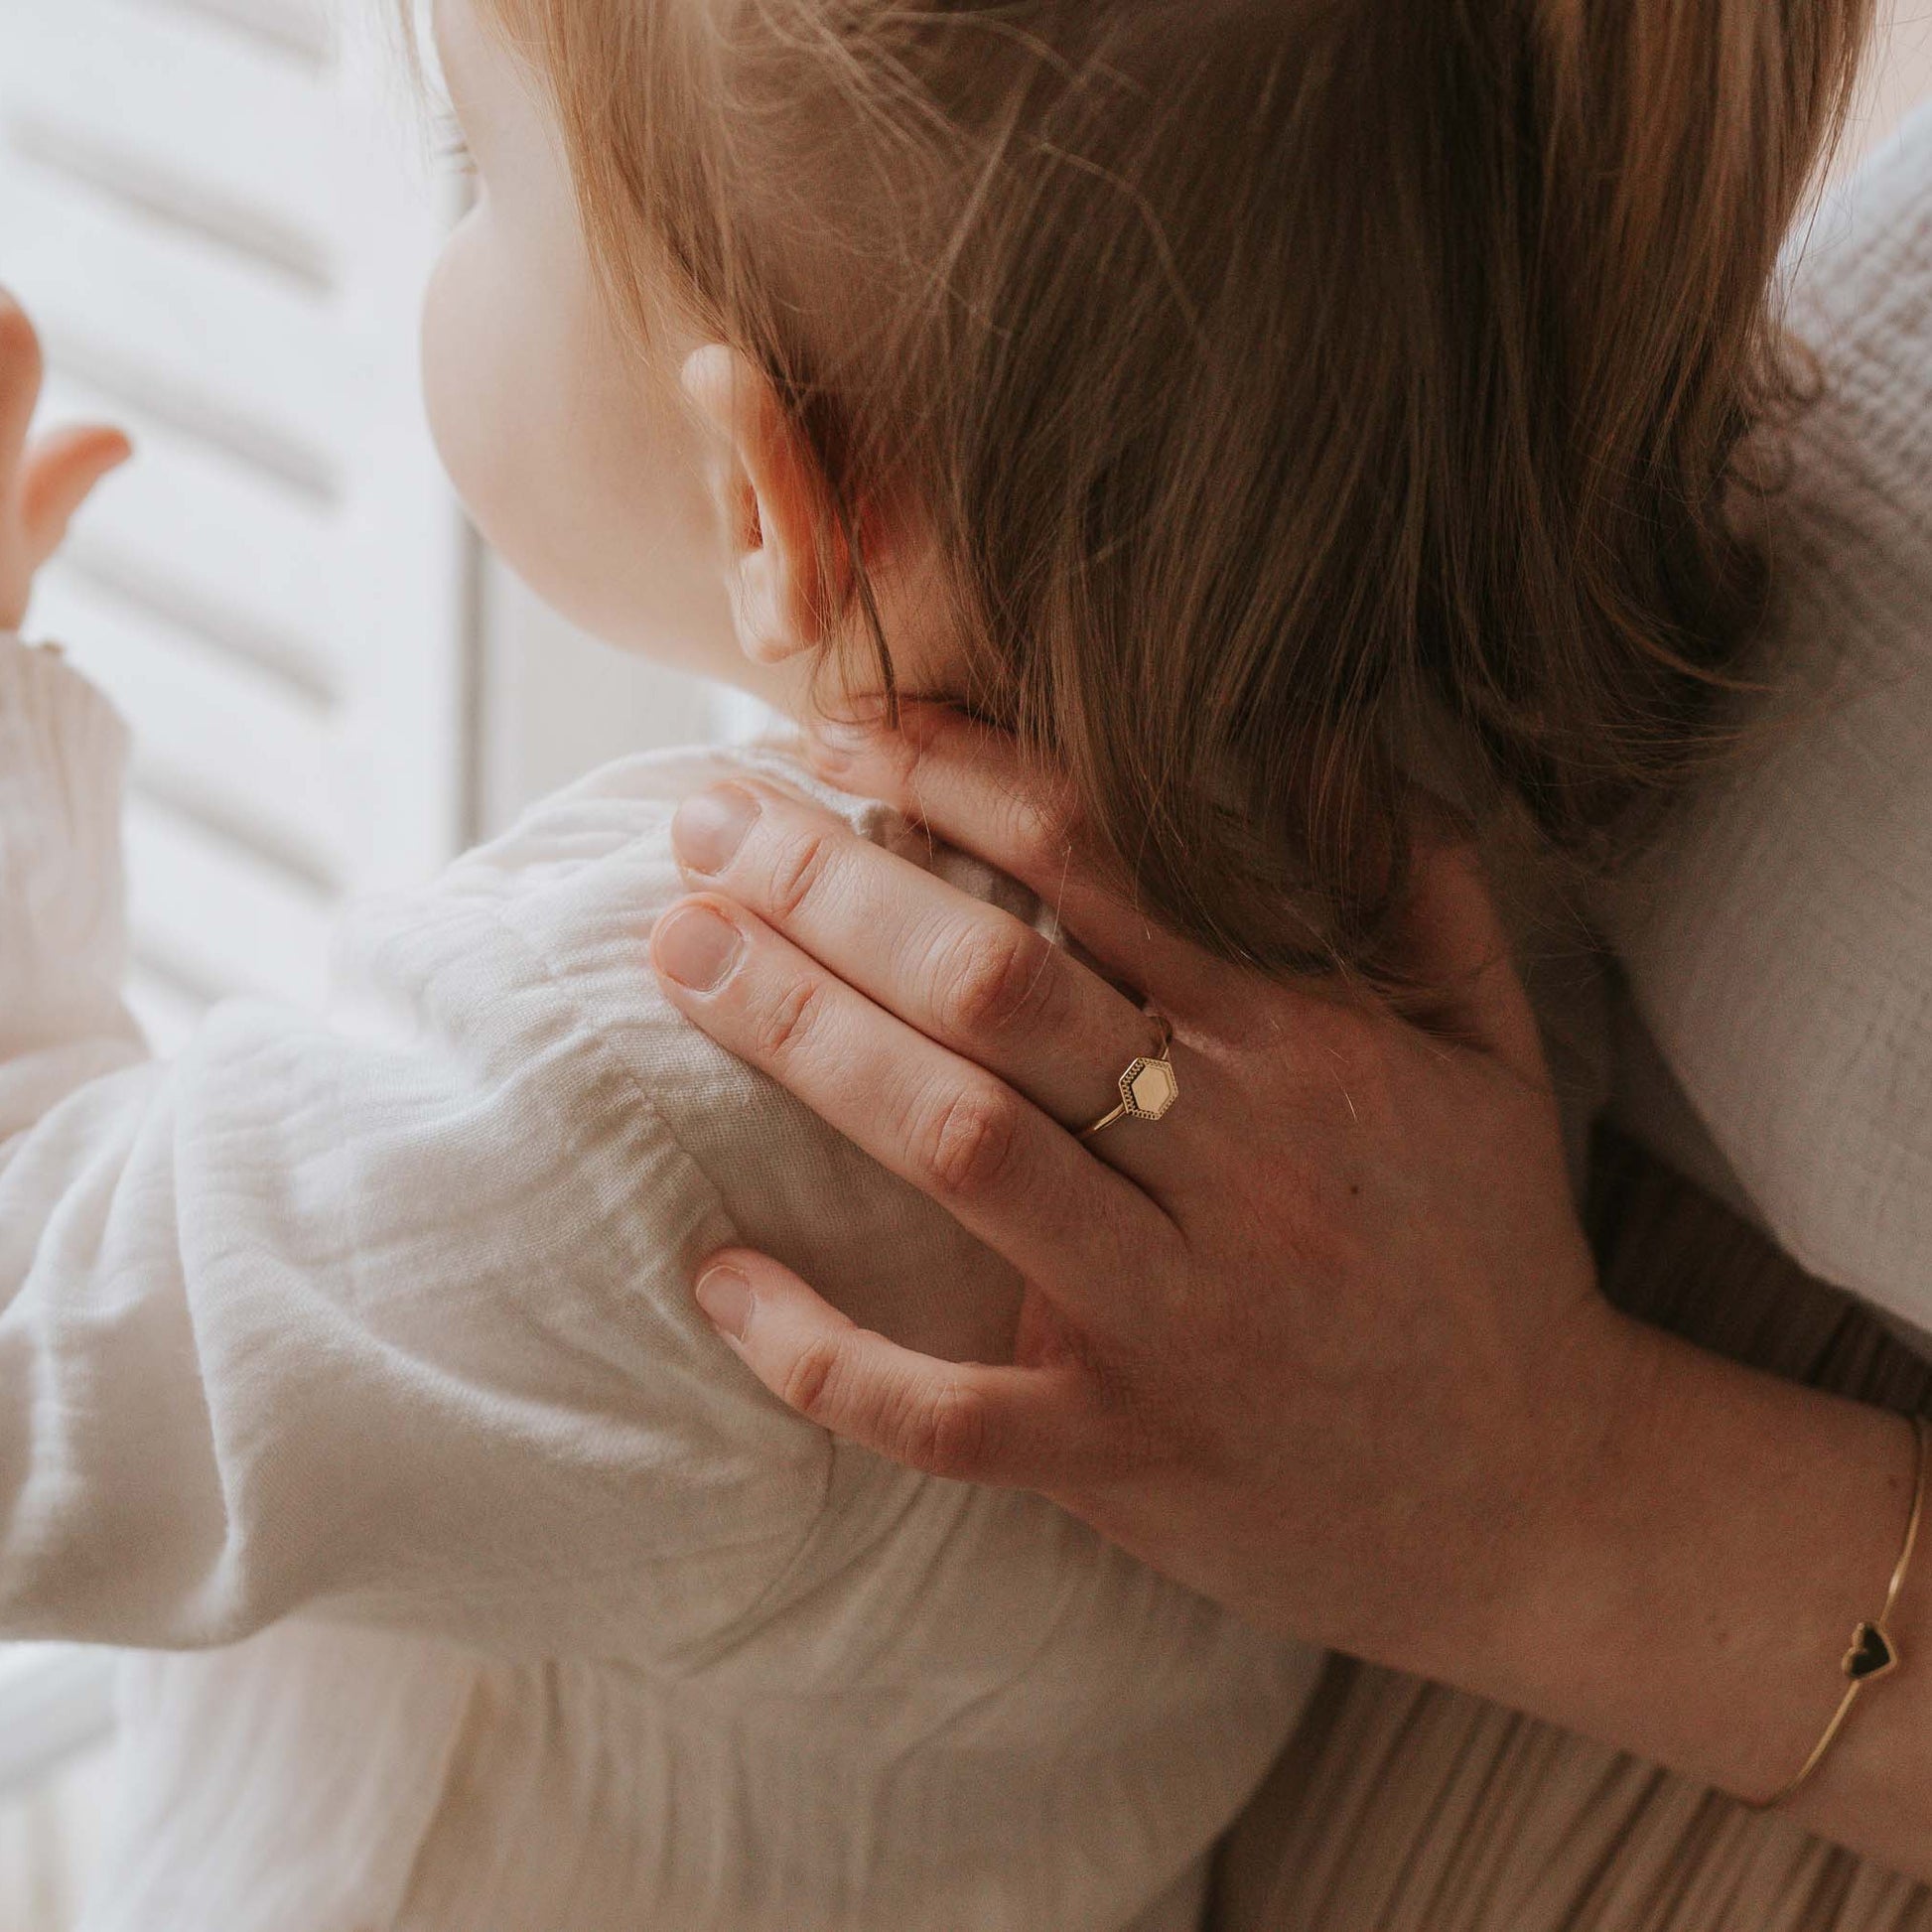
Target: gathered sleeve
{"points": [[389, 1324]]}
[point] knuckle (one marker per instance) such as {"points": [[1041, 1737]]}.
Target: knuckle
{"points": [[789, 1019], [974, 1143], [948, 1436], [799, 871], [806, 1382], [997, 979]]}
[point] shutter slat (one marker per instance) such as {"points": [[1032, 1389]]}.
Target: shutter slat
{"points": [[197, 540], [294, 29], [253, 234], [117, 72], [214, 211], [216, 917], [218, 743], [221, 353]]}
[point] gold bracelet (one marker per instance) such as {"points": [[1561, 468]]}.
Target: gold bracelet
{"points": [[1874, 1651]]}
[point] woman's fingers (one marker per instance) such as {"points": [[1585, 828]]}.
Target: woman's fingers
{"points": [[970, 784], [61, 471], [1006, 1171], [962, 972], [1020, 1428]]}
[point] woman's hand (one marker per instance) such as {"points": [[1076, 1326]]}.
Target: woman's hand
{"points": [[1325, 1343], [45, 482], [1336, 1303]]}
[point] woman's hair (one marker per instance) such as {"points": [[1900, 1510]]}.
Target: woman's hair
{"points": [[1318, 403]]}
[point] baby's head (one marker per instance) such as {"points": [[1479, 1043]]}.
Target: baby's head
{"points": [[1280, 412]]}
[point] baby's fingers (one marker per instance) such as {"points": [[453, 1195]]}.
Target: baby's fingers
{"points": [[1013, 1428], [20, 382], [61, 471]]}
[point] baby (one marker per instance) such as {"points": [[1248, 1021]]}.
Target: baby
{"points": [[363, 1369], [1299, 420]]}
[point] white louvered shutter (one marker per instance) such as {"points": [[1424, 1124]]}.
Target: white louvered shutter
{"points": [[216, 213], [219, 214]]}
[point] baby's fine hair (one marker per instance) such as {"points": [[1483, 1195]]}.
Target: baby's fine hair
{"points": [[1308, 396]]}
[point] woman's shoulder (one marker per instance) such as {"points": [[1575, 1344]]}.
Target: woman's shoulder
{"points": [[1858, 501], [1778, 937]]}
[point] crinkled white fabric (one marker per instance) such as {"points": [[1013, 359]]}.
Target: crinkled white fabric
{"points": [[364, 1365], [1778, 941]]}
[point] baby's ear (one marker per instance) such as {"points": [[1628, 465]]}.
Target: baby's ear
{"points": [[773, 505]]}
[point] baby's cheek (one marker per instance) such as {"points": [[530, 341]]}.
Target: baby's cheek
{"points": [[575, 456], [464, 382], [503, 384]]}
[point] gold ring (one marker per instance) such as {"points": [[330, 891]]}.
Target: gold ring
{"points": [[1148, 1089]]}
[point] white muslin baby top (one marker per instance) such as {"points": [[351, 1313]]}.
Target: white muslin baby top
{"points": [[360, 1366]]}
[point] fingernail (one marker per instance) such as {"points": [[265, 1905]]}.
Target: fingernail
{"points": [[697, 948], [725, 1298], [710, 825]]}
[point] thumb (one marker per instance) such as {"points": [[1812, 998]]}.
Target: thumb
{"points": [[1456, 946], [63, 469], [1014, 1427]]}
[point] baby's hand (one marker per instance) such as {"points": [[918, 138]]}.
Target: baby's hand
{"points": [[41, 483]]}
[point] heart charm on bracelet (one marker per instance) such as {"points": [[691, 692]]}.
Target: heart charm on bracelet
{"points": [[1872, 1655]]}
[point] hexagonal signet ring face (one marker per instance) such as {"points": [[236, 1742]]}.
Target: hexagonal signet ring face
{"points": [[1148, 1089]]}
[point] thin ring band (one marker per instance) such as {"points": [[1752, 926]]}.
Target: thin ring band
{"points": [[1148, 1088]]}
